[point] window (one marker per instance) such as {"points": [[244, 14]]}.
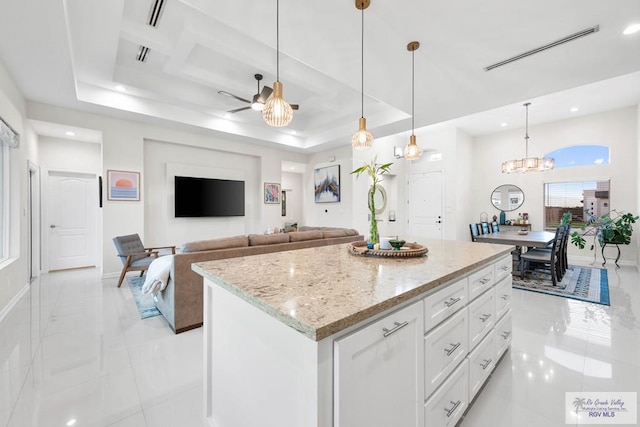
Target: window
{"points": [[580, 155], [574, 197]]}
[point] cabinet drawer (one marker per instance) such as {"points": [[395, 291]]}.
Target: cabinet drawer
{"points": [[503, 333], [444, 348], [443, 303], [480, 281], [481, 318], [448, 403], [482, 360], [502, 268], [503, 292]]}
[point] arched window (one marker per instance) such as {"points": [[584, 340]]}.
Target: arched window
{"points": [[580, 155]]}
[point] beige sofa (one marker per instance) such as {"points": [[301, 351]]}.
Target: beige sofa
{"points": [[181, 301]]}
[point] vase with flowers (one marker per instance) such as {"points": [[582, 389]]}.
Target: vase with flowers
{"points": [[375, 172]]}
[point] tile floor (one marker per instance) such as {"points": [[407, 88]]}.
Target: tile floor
{"points": [[74, 352]]}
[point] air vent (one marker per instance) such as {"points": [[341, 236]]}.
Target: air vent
{"points": [[154, 16], [563, 40]]}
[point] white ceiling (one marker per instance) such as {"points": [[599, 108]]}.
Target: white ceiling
{"points": [[75, 53]]}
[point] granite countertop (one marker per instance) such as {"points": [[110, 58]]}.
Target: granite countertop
{"points": [[321, 291]]}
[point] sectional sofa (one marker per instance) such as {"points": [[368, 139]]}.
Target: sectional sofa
{"points": [[181, 301]]}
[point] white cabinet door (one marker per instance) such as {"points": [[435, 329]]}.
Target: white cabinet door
{"points": [[378, 373], [481, 318], [503, 292], [503, 267], [503, 334], [448, 403], [443, 303], [482, 360], [480, 281]]}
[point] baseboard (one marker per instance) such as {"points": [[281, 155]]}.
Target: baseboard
{"points": [[14, 301]]}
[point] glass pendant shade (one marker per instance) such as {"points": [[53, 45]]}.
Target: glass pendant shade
{"points": [[528, 164], [362, 139], [412, 151], [277, 112]]}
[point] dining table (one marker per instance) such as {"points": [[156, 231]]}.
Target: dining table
{"points": [[532, 239]]}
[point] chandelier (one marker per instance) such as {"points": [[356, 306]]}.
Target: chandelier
{"points": [[528, 164]]}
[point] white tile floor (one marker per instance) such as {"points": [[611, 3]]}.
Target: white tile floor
{"points": [[74, 352]]}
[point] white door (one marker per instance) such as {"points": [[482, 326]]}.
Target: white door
{"points": [[425, 204], [378, 373], [72, 201]]}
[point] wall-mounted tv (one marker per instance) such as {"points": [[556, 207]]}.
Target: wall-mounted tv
{"points": [[198, 197]]}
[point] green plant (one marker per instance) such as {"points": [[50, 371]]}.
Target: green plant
{"points": [[375, 171], [605, 228]]}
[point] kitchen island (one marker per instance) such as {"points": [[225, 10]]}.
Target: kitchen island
{"points": [[312, 337]]}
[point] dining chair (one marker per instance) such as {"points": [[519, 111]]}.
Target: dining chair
{"points": [[549, 259], [495, 227], [485, 228], [564, 263], [474, 230], [134, 256]]}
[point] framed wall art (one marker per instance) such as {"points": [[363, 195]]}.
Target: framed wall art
{"points": [[123, 185], [326, 182], [272, 193]]}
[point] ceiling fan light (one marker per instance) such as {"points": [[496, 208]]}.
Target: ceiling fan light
{"points": [[412, 151], [277, 112], [362, 139]]}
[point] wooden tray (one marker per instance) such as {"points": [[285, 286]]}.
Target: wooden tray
{"points": [[407, 251]]}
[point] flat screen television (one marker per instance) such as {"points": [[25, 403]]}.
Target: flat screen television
{"points": [[199, 197]]}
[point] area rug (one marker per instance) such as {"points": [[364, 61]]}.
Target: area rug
{"points": [[580, 283], [144, 302]]}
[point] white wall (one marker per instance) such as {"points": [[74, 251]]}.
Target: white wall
{"points": [[68, 155], [123, 145], [14, 275], [163, 161], [617, 129], [292, 183]]}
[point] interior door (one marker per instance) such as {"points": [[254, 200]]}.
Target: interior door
{"points": [[72, 200], [425, 204]]}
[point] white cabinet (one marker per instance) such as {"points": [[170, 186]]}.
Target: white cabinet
{"points": [[481, 318], [444, 348], [480, 281], [503, 268], [378, 372], [447, 405], [481, 362], [443, 303], [502, 293], [503, 334]]}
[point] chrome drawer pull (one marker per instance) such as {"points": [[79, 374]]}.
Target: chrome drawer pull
{"points": [[395, 329], [485, 280], [505, 268], [486, 364], [449, 351], [505, 297], [506, 334], [451, 301], [485, 317], [452, 410]]}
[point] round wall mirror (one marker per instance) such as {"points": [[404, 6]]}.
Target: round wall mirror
{"points": [[507, 198], [379, 199]]}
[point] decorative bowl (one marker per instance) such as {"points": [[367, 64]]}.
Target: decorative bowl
{"points": [[397, 244]]}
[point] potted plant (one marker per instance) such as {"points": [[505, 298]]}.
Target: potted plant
{"points": [[375, 171], [614, 227]]}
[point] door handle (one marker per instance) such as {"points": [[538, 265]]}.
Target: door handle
{"points": [[52, 226], [395, 329]]}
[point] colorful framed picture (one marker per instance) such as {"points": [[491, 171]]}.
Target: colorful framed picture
{"points": [[272, 193], [123, 185], [326, 183]]}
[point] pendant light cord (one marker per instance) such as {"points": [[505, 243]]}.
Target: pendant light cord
{"points": [[362, 63], [526, 131], [413, 70], [277, 40]]}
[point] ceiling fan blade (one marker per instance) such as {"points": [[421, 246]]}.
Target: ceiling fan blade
{"points": [[239, 109], [265, 93], [294, 106], [222, 92]]}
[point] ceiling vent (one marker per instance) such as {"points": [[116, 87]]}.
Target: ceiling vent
{"points": [[563, 40], [154, 16]]}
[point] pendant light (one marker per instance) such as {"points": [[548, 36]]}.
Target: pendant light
{"points": [[362, 138], [412, 151], [277, 112], [528, 164]]}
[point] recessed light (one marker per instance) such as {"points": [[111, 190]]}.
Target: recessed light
{"points": [[574, 109], [69, 133], [503, 124], [121, 88], [631, 29]]}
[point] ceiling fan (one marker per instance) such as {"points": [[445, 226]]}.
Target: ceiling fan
{"points": [[258, 100]]}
